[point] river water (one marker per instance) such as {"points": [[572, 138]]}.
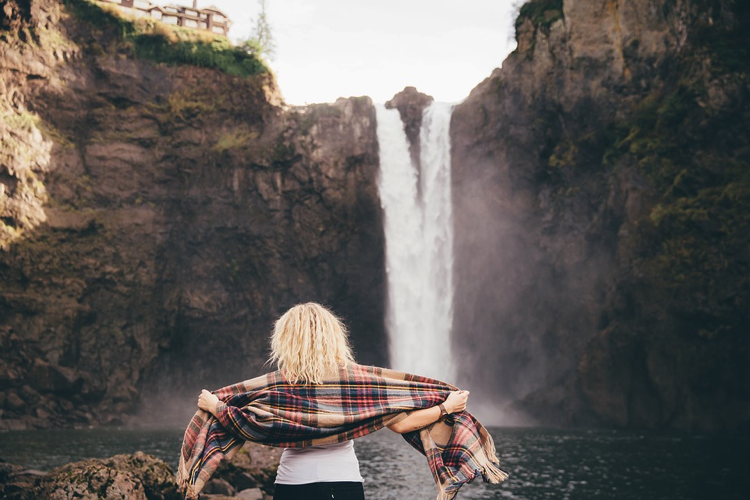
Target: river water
{"points": [[543, 463]]}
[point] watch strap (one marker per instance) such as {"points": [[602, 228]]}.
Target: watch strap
{"points": [[443, 411]]}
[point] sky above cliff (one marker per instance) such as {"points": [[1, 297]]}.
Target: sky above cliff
{"points": [[338, 48]]}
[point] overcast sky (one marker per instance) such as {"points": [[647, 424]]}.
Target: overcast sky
{"points": [[338, 48]]}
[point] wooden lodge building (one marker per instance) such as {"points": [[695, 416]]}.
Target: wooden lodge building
{"points": [[208, 19]]}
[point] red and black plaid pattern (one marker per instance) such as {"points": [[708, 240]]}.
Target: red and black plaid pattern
{"points": [[360, 400]]}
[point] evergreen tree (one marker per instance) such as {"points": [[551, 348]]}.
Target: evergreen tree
{"points": [[261, 41]]}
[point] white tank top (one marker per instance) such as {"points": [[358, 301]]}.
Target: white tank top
{"points": [[317, 464]]}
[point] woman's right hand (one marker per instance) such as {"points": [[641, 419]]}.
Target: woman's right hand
{"points": [[456, 401], [207, 402]]}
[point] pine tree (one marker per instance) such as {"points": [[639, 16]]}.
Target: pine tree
{"points": [[261, 41]]}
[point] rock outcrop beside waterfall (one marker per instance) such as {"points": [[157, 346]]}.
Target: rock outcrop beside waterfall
{"points": [[156, 219], [411, 104], [600, 194]]}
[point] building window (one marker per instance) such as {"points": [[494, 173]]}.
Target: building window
{"points": [[218, 29], [169, 19], [219, 18], [204, 26], [190, 23], [155, 14], [141, 3], [189, 12], [171, 9]]}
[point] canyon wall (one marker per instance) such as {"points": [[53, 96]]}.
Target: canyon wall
{"points": [[156, 215], [157, 218], [600, 186]]}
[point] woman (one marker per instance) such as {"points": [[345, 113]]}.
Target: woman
{"points": [[308, 344]]}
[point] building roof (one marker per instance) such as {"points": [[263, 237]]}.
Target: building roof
{"points": [[213, 8]]}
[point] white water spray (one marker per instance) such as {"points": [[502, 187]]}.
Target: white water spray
{"points": [[419, 242]]}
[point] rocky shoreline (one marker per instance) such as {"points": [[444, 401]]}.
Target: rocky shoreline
{"points": [[139, 476]]}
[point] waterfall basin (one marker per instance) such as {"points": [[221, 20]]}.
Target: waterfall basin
{"points": [[543, 463]]}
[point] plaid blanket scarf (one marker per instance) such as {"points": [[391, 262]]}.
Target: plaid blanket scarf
{"points": [[360, 400]]}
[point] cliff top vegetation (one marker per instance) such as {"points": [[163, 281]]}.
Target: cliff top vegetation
{"points": [[159, 42]]}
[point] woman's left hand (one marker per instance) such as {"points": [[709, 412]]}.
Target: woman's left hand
{"points": [[207, 402]]}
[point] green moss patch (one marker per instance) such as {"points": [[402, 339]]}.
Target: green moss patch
{"points": [[235, 139], [696, 240]]}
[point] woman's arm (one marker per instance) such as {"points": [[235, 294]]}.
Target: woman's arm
{"points": [[455, 402]]}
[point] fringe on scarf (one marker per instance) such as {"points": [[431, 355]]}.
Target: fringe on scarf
{"points": [[492, 473], [190, 491]]}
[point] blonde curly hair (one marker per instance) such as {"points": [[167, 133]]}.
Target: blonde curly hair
{"points": [[309, 341]]}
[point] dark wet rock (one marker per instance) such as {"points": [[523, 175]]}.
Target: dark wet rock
{"points": [[253, 467], [410, 104], [13, 402], [218, 486], [55, 379]]}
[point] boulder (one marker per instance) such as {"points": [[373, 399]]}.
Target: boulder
{"points": [[218, 486], [135, 477], [13, 401], [17, 483], [252, 468], [250, 494]]}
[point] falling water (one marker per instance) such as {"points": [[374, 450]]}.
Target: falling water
{"points": [[419, 242]]}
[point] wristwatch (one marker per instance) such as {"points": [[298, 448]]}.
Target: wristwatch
{"points": [[443, 412]]}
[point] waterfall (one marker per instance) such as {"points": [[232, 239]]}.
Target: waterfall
{"points": [[419, 242]]}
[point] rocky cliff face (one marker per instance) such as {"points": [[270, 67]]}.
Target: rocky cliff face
{"points": [[600, 206], [157, 219]]}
